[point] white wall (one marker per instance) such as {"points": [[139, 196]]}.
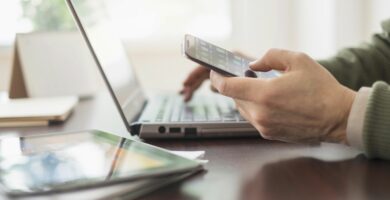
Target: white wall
{"points": [[316, 27]]}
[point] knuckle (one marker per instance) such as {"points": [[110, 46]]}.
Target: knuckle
{"points": [[300, 56], [271, 51]]}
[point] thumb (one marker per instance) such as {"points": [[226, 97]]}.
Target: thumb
{"points": [[258, 66], [276, 59], [236, 87]]}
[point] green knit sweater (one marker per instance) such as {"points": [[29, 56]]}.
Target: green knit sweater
{"points": [[369, 65]]}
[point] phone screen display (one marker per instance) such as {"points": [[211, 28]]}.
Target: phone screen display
{"points": [[221, 60]]}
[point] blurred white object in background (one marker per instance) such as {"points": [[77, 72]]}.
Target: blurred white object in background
{"points": [[3, 97], [54, 64], [152, 30], [318, 28]]}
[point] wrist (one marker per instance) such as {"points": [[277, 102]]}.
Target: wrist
{"points": [[338, 131]]}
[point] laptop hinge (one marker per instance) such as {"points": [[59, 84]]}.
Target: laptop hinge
{"points": [[135, 125], [135, 128]]}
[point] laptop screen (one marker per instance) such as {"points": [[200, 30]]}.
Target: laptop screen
{"points": [[110, 55]]}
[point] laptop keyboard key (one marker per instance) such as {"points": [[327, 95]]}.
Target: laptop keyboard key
{"points": [[187, 113], [212, 113], [160, 114], [168, 109], [177, 108], [213, 109], [229, 117], [199, 113]]}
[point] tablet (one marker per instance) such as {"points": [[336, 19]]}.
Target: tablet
{"points": [[60, 162]]}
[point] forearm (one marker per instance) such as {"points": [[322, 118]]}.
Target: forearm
{"points": [[362, 66]]}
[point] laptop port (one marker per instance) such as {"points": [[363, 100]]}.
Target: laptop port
{"points": [[190, 132], [174, 130], [161, 129]]}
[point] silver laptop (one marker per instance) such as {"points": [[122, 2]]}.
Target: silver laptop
{"points": [[160, 116]]}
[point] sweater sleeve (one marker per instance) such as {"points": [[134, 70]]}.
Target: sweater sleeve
{"points": [[376, 125], [368, 126], [369, 65], [363, 65]]}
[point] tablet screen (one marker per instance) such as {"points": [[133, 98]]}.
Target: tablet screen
{"points": [[66, 161]]}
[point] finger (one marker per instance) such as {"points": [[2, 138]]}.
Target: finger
{"points": [[237, 87], [187, 95], [199, 74], [245, 110], [189, 90], [241, 109], [193, 82], [277, 59]]}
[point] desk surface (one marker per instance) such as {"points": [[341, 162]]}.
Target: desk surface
{"points": [[249, 168]]}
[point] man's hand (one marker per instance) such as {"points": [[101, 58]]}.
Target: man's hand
{"points": [[305, 104], [195, 79]]}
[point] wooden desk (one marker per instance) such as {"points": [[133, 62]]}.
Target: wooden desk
{"points": [[250, 168]]}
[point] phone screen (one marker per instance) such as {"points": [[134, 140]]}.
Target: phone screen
{"points": [[221, 60]]}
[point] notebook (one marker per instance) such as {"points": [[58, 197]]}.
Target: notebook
{"points": [[36, 111]]}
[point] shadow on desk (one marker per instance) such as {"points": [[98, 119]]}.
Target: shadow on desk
{"points": [[309, 178]]}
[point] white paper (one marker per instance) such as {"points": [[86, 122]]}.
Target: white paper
{"points": [[37, 107], [192, 155]]}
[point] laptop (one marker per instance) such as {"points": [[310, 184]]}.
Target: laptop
{"points": [[159, 116]]}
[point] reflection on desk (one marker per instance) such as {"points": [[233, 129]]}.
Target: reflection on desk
{"points": [[309, 178], [274, 169]]}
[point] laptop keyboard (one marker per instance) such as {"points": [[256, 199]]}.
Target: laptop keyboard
{"points": [[211, 108]]}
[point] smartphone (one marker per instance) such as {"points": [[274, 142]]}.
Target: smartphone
{"points": [[220, 60]]}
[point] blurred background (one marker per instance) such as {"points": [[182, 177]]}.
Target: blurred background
{"points": [[152, 30]]}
